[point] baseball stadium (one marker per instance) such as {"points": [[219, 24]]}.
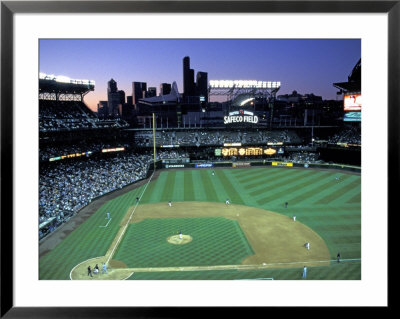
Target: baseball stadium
{"points": [[261, 186]]}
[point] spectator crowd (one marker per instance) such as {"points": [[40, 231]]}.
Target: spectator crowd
{"points": [[348, 135], [203, 137], [68, 186], [57, 116]]}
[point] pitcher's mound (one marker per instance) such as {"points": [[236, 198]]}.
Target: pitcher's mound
{"points": [[179, 241]]}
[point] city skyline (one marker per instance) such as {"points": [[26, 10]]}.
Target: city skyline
{"points": [[302, 65]]}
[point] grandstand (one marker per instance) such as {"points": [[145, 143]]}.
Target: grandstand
{"points": [[84, 160], [202, 137], [66, 125], [61, 106]]}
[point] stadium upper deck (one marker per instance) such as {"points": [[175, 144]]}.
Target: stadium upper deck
{"points": [[62, 108]]}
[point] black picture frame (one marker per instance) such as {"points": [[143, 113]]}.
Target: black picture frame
{"points": [[9, 8]]}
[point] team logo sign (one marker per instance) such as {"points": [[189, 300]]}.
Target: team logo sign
{"points": [[270, 151], [241, 116]]}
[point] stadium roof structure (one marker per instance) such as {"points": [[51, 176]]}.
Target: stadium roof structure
{"points": [[354, 80], [348, 86], [171, 98], [243, 99], [233, 89], [65, 85]]}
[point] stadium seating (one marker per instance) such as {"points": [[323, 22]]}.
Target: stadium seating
{"points": [[202, 137], [71, 115], [67, 186]]}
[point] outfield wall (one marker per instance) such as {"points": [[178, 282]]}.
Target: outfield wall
{"points": [[243, 164]]}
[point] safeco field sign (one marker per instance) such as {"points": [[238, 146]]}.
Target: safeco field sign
{"points": [[240, 117]]}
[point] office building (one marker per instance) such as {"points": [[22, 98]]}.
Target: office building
{"points": [[121, 97], [129, 100], [188, 78], [102, 109], [202, 86], [165, 88], [152, 91], [114, 98], [138, 91]]}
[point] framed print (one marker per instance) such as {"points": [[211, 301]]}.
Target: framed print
{"points": [[240, 182]]}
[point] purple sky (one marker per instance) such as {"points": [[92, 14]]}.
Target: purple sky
{"points": [[307, 66]]}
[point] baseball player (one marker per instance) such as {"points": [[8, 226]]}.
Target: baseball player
{"points": [[180, 234], [304, 272], [90, 271], [104, 270], [294, 218], [108, 215], [170, 204], [307, 245], [96, 269], [227, 201]]}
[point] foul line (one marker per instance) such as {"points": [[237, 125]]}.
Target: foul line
{"points": [[218, 267], [255, 279], [127, 223], [230, 267], [107, 223]]}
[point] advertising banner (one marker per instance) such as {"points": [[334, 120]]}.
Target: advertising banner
{"points": [[248, 151], [241, 164], [204, 165], [174, 166], [57, 158], [116, 149], [352, 117], [281, 164]]}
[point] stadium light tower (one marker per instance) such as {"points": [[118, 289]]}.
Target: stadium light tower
{"points": [[63, 88]]}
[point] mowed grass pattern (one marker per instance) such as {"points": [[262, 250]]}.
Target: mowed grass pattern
{"points": [[331, 207], [89, 240], [216, 241]]}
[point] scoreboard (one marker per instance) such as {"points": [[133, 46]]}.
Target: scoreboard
{"points": [[248, 151], [352, 107]]}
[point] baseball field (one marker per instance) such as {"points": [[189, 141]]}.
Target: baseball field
{"points": [[201, 237]]}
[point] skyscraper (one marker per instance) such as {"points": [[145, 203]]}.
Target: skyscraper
{"points": [[121, 97], [202, 85], [192, 84], [112, 86], [165, 88], [138, 91], [188, 78], [114, 98], [129, 100], [152, 91], [102, 109]]}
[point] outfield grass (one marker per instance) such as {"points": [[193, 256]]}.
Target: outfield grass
{"points": [[332, 208]]}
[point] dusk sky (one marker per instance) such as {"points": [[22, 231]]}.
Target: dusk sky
{"points": [[307, 66]]}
